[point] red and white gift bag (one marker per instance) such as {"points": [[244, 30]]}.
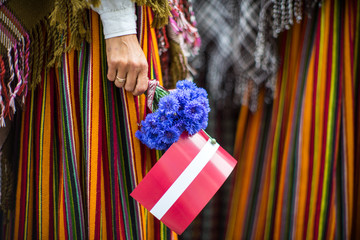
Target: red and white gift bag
{"points": [[184, 180]]}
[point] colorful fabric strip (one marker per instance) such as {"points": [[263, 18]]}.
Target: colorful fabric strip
{"points": [[295, 177], [79, 159]]}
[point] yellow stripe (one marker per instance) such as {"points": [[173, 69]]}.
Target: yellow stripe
{"points": [[356, 48], [305, 133], [45, 155], [264, 196], [319, 114], [290, 94], [348, 119], [240, 135], [155, 53], [94, 105], [274, 156]]}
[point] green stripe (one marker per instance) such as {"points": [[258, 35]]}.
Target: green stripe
{"points": [[317, 145], [331, 127], [275, 157], [73, 193]]}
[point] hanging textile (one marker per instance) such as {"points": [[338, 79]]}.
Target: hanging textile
{"points": [[76, 154], [296, 157], [239, 53], [35, 34]]}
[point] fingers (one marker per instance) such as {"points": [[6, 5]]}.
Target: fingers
{"points": [[120, 79], [132, 76], [127, 65], [119, 82], [142, 82], [111, 71]]}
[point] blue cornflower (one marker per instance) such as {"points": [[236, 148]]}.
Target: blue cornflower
{"points": [[194, 110], [204, 122], [192, 127], [161, 116], [182, 95], [150, 123], [197, 93], [151, 139], [170, 135], [139, 135], [162, 146], [184, 109], [185, 84], [205, 102], [165, 120], [169, 104], [200, 92]]}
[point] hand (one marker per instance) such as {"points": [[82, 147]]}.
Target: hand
{"points": [[127, 65]]}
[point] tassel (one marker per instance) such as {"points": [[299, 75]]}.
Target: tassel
{"points": [[27, 64], [178, 69], [161, 10], [36, 51], [19, 78], [2, 79], [41, 55], [69, 19], [56, 44], [78, 5], [95, 3], [70, 14], [11, 79], [48, 44], [58, 15], [77, 30]]}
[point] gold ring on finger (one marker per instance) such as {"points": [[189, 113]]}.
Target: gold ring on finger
{"points": [[120, 80]]}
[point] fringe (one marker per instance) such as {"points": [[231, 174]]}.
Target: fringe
{"points": [[161, 10], [178, 69], [186, 31], [11, 80], [2, 80], [67, 18], [71, 15], [66, 28]]}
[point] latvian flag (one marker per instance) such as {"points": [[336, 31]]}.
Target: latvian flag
{"points": [[184, 180]]}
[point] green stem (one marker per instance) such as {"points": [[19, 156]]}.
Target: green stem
{"points": [[213, 140]]}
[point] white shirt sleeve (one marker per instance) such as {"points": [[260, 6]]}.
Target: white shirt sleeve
{"points": [[118, 17]]}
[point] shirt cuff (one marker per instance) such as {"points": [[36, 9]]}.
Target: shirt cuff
{"points": [[119, 22]]}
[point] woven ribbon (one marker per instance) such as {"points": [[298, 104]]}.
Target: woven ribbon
{"points": [[151, 93]]}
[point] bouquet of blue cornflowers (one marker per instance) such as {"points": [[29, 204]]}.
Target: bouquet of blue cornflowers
{"points": [[184, 109]]}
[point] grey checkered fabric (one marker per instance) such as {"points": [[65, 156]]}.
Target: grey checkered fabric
{"points": [[240, 36], [229, 32]]}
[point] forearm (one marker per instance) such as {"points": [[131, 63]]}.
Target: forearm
{"points": [[127, 65]]}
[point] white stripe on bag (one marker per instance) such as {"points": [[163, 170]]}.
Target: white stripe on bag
{"points": [[184, 180]]}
